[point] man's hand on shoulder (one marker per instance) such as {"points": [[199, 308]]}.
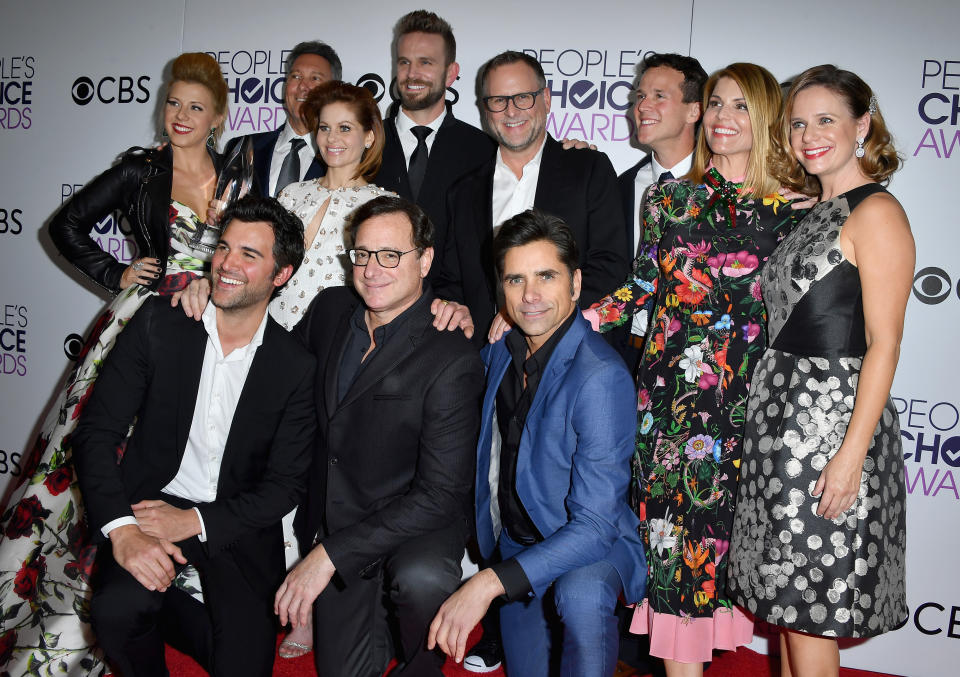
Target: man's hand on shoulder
{"points": [[161, 520], [451, 315], [578, 144], [145, 557], [193, 299], [293, 602], [459, 615]]}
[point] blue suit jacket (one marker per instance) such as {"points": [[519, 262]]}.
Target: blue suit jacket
{"points": [[573, 465], [263, 145]]}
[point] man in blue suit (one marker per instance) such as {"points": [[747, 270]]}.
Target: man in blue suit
{"points": [[553, 460], [288, 154]]}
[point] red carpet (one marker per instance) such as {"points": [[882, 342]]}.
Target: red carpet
{"points": [[728, 664]]}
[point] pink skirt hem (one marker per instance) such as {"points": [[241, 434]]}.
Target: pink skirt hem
{"points": [[692, 640]]}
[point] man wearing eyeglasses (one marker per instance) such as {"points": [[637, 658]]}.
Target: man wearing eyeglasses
{"points": [[530, 170], [383, 526]]}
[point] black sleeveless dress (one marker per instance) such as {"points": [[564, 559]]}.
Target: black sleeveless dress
{"points": [[841, 577]]}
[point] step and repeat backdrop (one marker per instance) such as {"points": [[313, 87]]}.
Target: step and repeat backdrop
{"points": [[80, 83]]}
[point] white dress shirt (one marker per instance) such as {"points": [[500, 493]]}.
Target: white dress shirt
{"points": [[408, 142], [307, 153], [221, 382], [510, 194]]}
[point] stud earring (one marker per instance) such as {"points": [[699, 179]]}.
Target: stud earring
{"points": [[859, 152], [366, 145]]}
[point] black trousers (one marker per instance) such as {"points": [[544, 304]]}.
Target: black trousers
{"points": [[232, 633], [359, 627]]}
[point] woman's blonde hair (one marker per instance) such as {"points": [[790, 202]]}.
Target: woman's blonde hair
{"points": [[880, 158], [202, 69], [762, 94]]}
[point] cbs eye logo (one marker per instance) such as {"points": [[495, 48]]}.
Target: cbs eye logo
{"points": [[110, 89], [72, 345], [932, 285], [374, 83]]}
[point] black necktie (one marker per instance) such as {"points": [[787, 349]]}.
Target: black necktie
{"points": [[290, 169], [666, 176], [418, 161]]}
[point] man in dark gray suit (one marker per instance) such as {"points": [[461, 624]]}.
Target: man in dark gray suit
{"points": [[288, 154]]}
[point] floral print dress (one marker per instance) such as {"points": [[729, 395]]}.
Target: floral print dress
{"points": [[696, 277], [46, 555]]}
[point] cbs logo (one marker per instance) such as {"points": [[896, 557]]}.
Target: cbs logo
{"points": [[110, 89], [932, 285]]}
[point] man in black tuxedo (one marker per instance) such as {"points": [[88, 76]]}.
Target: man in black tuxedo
{"points": [[423, 171], [383, 525], [666, 112], [530, 169], [288, 154], [219, 453]]}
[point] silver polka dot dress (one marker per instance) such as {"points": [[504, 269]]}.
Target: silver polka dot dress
{"points": [[788, 566]]}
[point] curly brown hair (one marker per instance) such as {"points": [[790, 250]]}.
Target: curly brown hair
{"points": [[880, 158], [363, 105]]}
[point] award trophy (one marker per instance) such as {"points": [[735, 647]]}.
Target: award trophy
{"points": [[234, 182]]}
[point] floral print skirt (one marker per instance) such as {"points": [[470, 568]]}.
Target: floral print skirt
{"points": [[46, 556]]}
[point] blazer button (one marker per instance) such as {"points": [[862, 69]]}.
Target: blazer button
{"points": [[334, 460]]}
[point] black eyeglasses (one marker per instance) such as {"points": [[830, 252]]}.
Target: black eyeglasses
{"points": [[521, 101], [387, 258]]}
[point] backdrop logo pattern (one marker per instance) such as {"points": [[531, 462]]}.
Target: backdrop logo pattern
{"points": [[16, 91], [590, 91], [939, 109], [11, 221], [255, 80], [110, 89], [13, 339], [932, 285], [931, 446]]}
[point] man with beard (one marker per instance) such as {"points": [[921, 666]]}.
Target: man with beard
{"points": [[288, 154], [224, 430], [530, 169], [427, 149]]}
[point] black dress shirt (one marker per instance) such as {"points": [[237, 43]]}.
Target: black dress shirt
{"points": [[359, 342], [513, 403]]}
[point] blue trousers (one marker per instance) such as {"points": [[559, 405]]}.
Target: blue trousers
{"points": [[571, 631]]}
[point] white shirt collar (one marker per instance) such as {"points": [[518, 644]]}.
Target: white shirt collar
{"points": [[679, 170], [405, 124], [533, 163], [209, 319], [288, 133]]}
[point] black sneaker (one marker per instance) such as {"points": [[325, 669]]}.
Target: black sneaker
{"points": [[485, 656]]}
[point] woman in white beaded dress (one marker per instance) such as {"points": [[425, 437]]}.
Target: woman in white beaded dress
{"points": [[350, 138]]}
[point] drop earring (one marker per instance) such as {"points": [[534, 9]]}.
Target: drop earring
{"points": [[859, 152], [211, 137]]}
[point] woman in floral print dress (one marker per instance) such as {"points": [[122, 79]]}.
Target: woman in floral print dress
{"points": [[703, 244], [45, 552]]}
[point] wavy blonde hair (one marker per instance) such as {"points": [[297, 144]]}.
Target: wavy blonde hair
{"points": [[762, 94]]}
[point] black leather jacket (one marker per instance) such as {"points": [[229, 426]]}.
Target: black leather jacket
{"points": [[139, 186]]}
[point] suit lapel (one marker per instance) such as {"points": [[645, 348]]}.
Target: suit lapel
{"points": [[557, 366], [191, 364], [262, 157], [484, 230], [553, 183], [394, 163], [389, 355], [334, 359]]}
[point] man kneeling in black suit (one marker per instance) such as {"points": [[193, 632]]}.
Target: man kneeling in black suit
{"points": [[219, 453], [383, 525]]}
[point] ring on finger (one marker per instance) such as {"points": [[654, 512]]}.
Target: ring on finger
{"points": [[137, 265]]}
